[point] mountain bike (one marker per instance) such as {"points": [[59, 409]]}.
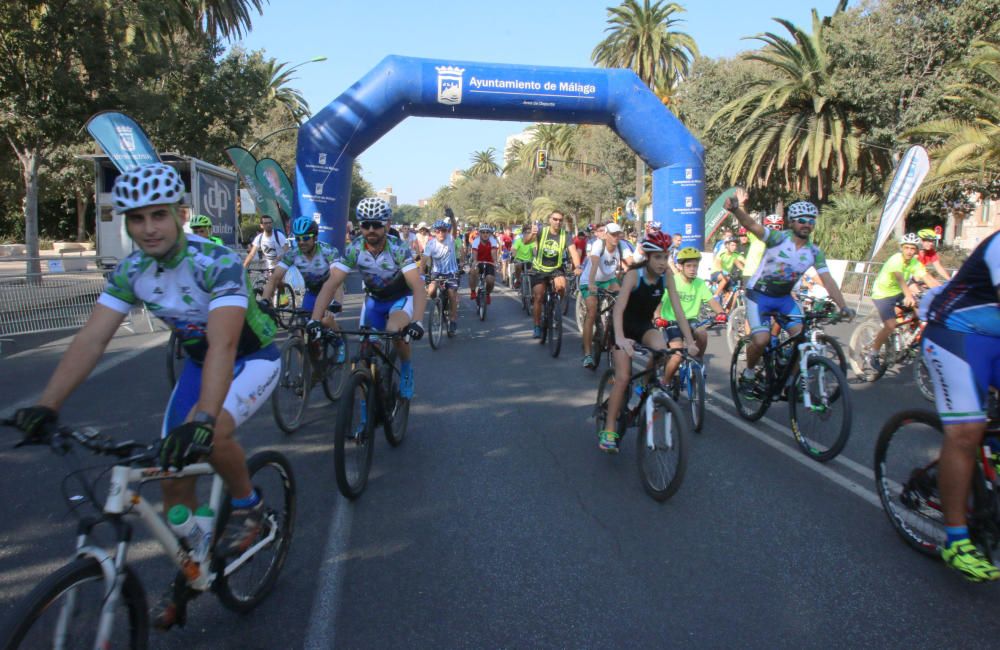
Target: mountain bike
{"points": [[370, 399], [482, 297], [283, 300], [305, 363], [801, 371], [662, 438], [526, 298], [689, 379], [552, 313], [902, 347], [906, 459], [603, 339], [439, 311], [97, 599]]}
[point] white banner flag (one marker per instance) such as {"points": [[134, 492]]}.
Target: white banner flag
{"points": [[910, 174]]}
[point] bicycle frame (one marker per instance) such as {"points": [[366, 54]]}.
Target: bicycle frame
{"points": [[803, 346]]}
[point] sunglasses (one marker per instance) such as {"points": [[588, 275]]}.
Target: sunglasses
{"points": [[804, 221], [306, 237], [372, 225]]}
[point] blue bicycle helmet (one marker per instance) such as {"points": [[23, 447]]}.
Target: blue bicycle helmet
{"points": [[304, 226], [374, 209], [441, 224]]}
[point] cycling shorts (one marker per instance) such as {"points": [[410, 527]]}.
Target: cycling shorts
{"points": [[449, 280], [540, 277], [886, 307], [636, 331], [718, 276], [254, 377], [757, 304], [586, 292], [505, 255], [962, 366], [486, 268], [375, 313]]}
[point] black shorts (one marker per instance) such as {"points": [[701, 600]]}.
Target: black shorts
{"points": [[636, 331], [886, 307], [540, 277], [486, 268]]}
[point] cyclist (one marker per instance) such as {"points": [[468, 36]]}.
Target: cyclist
{"points": [[312, 258], [724, 236], [892, 290], [928, 254], [201, 225], [724, 264], [506, 245], [395, 292], [692, 292], [789, 254], [961, 346], [643, 288], [271, 244], [486, 250], [523, 254], [199, 289], [601, 269], [441, 260], [554, 243]]}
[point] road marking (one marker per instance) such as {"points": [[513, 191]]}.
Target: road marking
{"points": [[321, 633]]}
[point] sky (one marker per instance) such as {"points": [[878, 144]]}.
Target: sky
{"points": [[418, 156]]}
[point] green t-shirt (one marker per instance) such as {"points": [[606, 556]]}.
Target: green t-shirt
{"points": [[524, 252], [886, 285], [754, 255], [692, 296], [728, 260]]}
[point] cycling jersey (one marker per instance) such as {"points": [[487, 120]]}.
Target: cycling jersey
{"points": [[382, 272], [314, 270], [928, 257], [784, 263], [968, 303], [728, 260], [642, 302], [270, 246], [692, 296], [608, 262], [886, 285], [483, 248], [442, 254], [506, 241], [551, 250], [181, 291]]}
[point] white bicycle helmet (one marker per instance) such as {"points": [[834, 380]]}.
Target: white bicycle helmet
{"points": [[374, 209], [802, 209], [910, 238], [153, 184], [773, 220]]}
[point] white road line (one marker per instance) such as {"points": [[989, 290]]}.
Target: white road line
{"points": [[797, 456], [321, 633]]}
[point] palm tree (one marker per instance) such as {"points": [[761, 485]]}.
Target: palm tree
{"points": [[791, 124], [279, 90], [484, 163], [221, 18], [968, 150]]}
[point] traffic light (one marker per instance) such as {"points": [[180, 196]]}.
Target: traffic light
{"points": [[542, 159], [618, 215]]}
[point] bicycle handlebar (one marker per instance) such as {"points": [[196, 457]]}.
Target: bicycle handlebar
{"points": [[90, 439]]}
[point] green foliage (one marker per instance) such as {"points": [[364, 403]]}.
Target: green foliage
{"points": [[484, 163], [846, 227]]}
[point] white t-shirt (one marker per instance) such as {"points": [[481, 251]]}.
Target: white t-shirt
{"points": [[608, 261], [270, 247]]}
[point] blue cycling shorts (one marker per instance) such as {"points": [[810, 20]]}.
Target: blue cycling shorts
{"points": [[757, 304], [375, 313], [962, 366]]}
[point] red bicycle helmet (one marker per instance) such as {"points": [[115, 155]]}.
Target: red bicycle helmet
{"points": [[656, 242]]}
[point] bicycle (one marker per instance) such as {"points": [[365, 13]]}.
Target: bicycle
{"points": [[689, 378], [526, 298], [603, 338], [902, 347], [439, 312], [662, 445], [283, 300], [371, 398], [91, 597], [175, 358], [482, 297], [305, 363], [552, 313], [800, 371], [906, 458]]}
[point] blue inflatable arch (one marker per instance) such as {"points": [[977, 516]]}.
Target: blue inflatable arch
{"points": [[399, 87]]}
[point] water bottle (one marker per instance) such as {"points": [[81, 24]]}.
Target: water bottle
{"points": [[635, 398], [204, 516], [183, 524]]}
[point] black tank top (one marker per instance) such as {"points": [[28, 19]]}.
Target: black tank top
{"points": [[643, 301]]}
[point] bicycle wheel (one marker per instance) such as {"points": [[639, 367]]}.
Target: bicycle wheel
{"points": [[435, 323], [696, 395], [335, 374], [662, 448], [354, 439], [70, 600], [175, 359], [906, 456], [241, 587], [822, 428], [481, 302], [291, 395], [736, 326], [570, 294], [751, 401], [284, 303], [580, 312], [860, 347], [597, 343], [922, 375], [604, 389], [834, 351], [397, 413], [555, 326]]}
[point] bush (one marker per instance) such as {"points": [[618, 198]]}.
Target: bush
{"points": [[846, 227]]}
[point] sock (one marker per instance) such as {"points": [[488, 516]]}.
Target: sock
{"points": [[956, 533], [247, 502]]}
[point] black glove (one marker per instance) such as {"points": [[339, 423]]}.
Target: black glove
{"points": [[185, 444], [314, 328], [35, 421], [266, 307], [414, 330]]}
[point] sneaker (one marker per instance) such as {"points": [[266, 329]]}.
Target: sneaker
{"points": [[963, 556], [171, 608], [748, 383], [588, 362], [472, 294], [874, 362], [452, 328], [241, 530], [608, 442], [406, 384], [537, 334]]}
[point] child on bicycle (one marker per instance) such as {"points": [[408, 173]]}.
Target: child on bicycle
{"points": [[643, 288], [693, 292]]}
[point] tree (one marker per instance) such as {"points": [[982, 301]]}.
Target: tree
{"points": [[280, 90], [846, 228], [484, 163]]}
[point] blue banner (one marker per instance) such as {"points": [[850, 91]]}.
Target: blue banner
{"points": [[680, 204], [122, 139]]}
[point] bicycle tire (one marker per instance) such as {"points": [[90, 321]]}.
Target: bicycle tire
{"points": [[28, 615], [283, 521], [673, 446], [922, 376], [749, 408], [395, 420], [570, 294], [294, 386], [284, 313], [555, 328], [601, 405], [813, 446], [481, 303], [435, 323], [354, 439], [735, 326], [696, 397], [860, 346], [910, 509], [597, 343], [580, 313], [175, 359], [335, 375]]}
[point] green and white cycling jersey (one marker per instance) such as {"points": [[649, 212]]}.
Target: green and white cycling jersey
{"points": [[181, 291], [382, 273], [314, 271], [783, 264]]}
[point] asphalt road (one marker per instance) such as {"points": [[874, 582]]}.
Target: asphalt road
{"points": [[498, 523]]}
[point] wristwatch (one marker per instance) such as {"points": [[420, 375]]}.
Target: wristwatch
{"points": [[204, 417]]}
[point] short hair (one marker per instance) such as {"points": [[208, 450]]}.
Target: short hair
{"points": [[677, 234]]}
